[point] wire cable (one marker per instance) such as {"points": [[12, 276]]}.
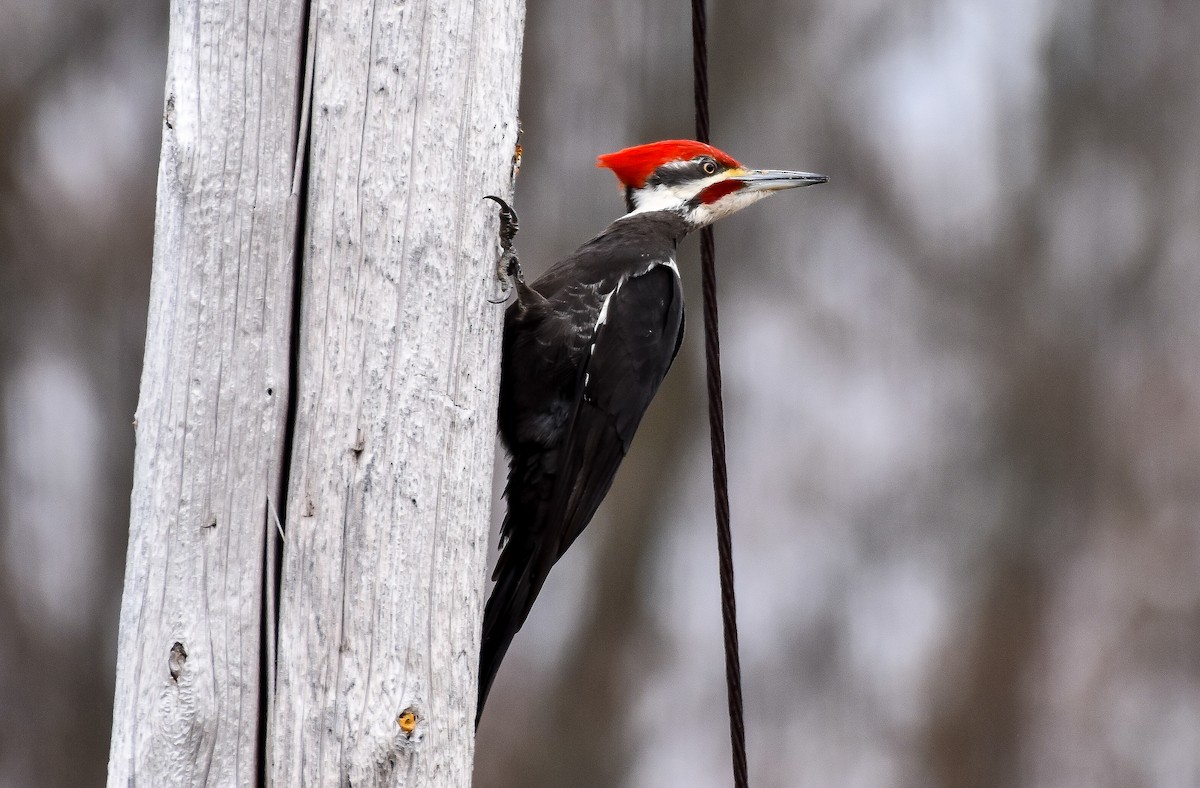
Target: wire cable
{"points": [[716, 421]]}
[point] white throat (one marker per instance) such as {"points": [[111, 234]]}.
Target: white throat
{"points": [[670, 198], [676, 198]]}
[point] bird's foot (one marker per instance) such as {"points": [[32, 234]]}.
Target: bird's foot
{"points": [[508, 267]]}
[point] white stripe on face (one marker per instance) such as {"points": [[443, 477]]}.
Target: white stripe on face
{"points": [[673, 197]]}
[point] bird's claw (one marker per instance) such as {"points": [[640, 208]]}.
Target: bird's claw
{"points": [[508, 267], [509, 224]]}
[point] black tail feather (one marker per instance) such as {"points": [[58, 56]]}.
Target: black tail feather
{"points": [[507, 607]]}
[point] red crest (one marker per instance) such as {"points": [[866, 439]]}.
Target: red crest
{"points": [[633, 166]]}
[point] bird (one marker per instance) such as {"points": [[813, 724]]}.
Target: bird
{"points": [[584, 350]]}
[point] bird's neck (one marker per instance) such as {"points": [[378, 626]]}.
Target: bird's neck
{"points": [[669, 223]]}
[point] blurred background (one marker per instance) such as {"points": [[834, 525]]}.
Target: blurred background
{"points": [[962, 381]]}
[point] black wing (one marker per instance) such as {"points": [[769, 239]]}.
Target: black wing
{"points": [[631, 353], [554, 489]]}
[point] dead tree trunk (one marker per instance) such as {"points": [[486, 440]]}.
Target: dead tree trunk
{"points": [[212, 412], [363, 428], [414, 120]]}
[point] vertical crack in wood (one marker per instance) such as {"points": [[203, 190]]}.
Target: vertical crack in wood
{"points": [[276, 515], [300, 186], [268, 627]]}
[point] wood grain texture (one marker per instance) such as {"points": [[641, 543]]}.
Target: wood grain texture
{"points": [[213, 404], [388, 494], [413, 122]]}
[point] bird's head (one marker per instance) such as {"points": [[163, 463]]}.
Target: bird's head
{"points": [[695, 180]]}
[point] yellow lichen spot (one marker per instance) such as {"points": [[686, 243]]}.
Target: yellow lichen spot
{"points": [[518, 151], [407, 721]]}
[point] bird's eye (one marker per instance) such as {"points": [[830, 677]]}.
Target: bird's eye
{"points": [[709, 166]]}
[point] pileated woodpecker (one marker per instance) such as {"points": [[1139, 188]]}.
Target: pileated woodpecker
{"points": [[585, 349]]}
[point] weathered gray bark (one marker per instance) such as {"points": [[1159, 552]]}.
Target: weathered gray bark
{"points": [[414, 120], [388, 492], [211, 416]]}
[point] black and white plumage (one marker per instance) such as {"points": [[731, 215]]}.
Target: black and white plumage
{"points": [[585, 349]]}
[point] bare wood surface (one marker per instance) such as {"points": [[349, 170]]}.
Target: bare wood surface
{"points": [[414, 120], [211, 414], [387, 500]]}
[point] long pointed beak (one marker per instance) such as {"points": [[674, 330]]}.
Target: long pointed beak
{"points": [[774, 180]]}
